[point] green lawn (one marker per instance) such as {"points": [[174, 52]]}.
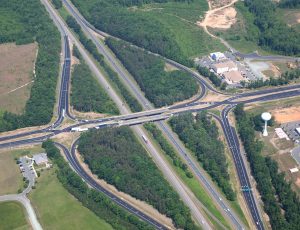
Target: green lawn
{"points": [[12, 216], [10, 175], [58, 209]]}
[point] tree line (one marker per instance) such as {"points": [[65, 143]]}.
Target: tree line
{"points": [[167, 148], [87, 95], [284, 79], [57, 4], [215, 79], [96, 201], [289, 4], [115, 155], [113, 76], [274, 33], [280, 201], [114, 18], [160, 87], [34, 26], [200, 134]]}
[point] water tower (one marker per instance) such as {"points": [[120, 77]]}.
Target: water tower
{"points": [[266, 117]]}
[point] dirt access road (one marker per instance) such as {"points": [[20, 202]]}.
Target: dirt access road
{"points": [[225, 13]]}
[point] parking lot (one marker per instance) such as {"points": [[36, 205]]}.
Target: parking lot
{"points": [[27, 169], [296, 154], [290, 130], [243, 67]]}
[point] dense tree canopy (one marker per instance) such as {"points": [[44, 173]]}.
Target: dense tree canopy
{"points": [[160, 87], [113, 76], [274, 33], [96, 201], [25, 22], [114, 18], [115, 155], [289, 3], [87, 95], [200, 134]]}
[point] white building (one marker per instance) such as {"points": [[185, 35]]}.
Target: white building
{"points": [[298, 130], [40, 158], [217, 56], [223, 67]]}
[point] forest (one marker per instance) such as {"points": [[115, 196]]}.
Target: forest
{"points": [[113, 76], [96, 201], [115, 155], [280, 201], [133, 26], [26, 22], [274, 33], [285, 78], [57, 4], [200, 134], [160, 87], [87, 95], [167, 148], [289, 4]]}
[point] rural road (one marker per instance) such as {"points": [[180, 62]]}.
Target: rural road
{"points": [[27, 205]]}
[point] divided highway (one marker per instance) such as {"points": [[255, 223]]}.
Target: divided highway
{"points": [[71, 157], [229, 131]]}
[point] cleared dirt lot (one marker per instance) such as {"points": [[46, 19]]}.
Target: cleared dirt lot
{"points": [[16, 75], [222, 19], [221, 15], [285, 115]]}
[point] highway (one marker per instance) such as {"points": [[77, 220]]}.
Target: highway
{"points": [[147, 105], [137, 118], [170, 175], [71, 157], [234, 146]]}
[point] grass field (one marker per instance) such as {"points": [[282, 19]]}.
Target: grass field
{"points": [[192, 39], [191, 12], [16, 70], [10, 176], [58, 209], [12, 216]]}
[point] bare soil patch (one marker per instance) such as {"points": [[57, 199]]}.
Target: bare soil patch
{"points": [[285, 115], [169, 68], [87, 115], [16, 75], [222, 19]]}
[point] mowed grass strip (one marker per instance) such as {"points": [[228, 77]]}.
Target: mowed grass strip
{"points": [[10, 175], [12, 216], [16, 74], [58, 209]]}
